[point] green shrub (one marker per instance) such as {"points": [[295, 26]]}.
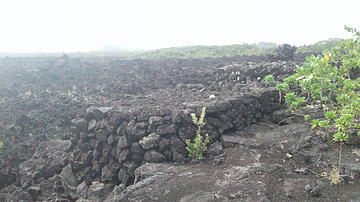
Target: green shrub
{"points": [[197, 148], [269, 78], [333, 80]]}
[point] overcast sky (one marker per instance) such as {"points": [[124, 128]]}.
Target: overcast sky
{"points": [[84, 25]]}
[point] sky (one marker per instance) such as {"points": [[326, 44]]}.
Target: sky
{"points": [[85, 25]]}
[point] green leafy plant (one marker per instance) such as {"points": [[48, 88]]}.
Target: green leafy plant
{"points": [[315, 123], [331, 80], [281, 87], [1, 144], [269, 78], [334, 176], [87, 98], [70, 94], [28, 94], [197, 147]]}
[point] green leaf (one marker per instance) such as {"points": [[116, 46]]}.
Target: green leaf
{"points": [[315, 123], [330, 114], [340, 137], [269, 78]]}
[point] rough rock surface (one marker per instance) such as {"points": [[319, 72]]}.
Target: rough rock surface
{"points": [[284, 52], [255, 163], [90, 129]]}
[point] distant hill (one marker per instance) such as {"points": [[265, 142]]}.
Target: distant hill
{"points": [[112, 48]]}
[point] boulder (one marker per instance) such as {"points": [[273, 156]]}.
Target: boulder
{"points": [[136, 130], [166, 130], [150, 141], [156, 120], [49, 159], [101, 112], [153, 156], [284, 52]]}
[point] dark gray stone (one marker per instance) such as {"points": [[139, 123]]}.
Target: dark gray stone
{"points": [[280, 116], [156, 120], [18, 195], [113, 138], [176, 145], [132, 166], [34, 191], [105, 157], [124, 177], [23, 121], [81, 125], [187, 132], [154, 157], [215, 149], [94, 143], [118, 117], [124, 155], [213, 121], [284, 52], [164, 144], [102, 135], [103, 123], [136, 130], [178, 158], [225, 126], [137, 158], [179, 117], [166, 130], [167, 154], [121, 130], [143, 116], [101, 112], [150, 141], [50, 157], [161, 112], [214, 107], [91, 124], [239, 123], [136, 148], [98, 191], [111, 128], [84, 136], [107, 175], [124, 141]]}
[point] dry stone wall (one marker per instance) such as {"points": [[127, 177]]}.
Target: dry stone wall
{"points": [[111, 143]]}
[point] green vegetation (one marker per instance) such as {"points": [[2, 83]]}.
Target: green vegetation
{"points": [[28, 94], [269, 78], [320, 46], [332, 80], [185, 52], [1, 144], [169, 53], [205, 51], [79, 94], [197, 148]]}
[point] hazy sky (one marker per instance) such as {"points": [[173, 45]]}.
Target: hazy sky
{"points": [[84, 25]]}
